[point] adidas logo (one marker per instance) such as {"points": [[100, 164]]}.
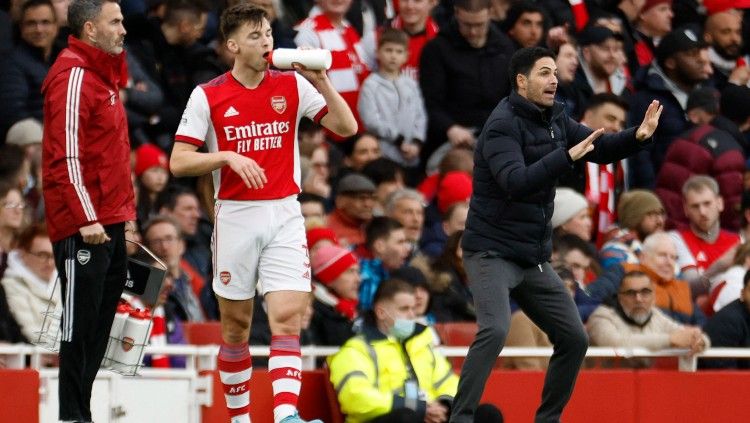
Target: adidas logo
{"points": [[231, 111]]}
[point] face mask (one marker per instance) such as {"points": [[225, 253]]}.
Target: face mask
{"points": [[402, 328]]}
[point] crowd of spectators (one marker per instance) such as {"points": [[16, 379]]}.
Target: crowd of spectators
{"points": [[654, 248]]}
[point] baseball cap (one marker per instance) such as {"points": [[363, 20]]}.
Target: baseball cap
{"points": [[684, 38], [354, 182], [594, 34]]}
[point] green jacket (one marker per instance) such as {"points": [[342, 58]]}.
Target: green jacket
{"points": [[371, 370]]}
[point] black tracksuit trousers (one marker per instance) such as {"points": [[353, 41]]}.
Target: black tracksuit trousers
{"points": [[93, 278]]}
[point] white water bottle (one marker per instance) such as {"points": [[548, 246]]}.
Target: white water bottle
{"points": [[134, 337], [115, 334], [315, 59]]}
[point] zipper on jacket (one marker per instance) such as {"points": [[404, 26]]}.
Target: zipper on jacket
{"points": [[551, 132], [541, 237]]}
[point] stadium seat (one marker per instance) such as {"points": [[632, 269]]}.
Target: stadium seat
{"points": [[205, 333], [456, 334], [333, 403]]}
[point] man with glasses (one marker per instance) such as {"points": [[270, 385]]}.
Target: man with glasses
{"points": [[162, 235], [630, 319]]}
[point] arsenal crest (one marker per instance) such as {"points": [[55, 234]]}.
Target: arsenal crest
{"points": [[225, 277], [278, 103]]}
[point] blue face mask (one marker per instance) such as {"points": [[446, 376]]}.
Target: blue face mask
{"points": [[402, 328]]}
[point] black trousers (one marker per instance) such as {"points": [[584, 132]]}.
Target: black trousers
{"points": [[92, 277], [541, 295]]}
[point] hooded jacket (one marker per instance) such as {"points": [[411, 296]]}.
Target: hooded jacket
{"points": [[86, 150], [519, 156]]}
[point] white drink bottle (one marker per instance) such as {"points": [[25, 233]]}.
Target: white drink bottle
{"points": [[315, 59], [134, 338], [115, 334]]}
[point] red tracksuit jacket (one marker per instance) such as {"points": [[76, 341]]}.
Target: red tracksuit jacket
{"points": [[86, 150]]}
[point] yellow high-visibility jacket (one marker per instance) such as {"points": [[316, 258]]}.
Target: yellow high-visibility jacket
{"points": [[370, 371]]}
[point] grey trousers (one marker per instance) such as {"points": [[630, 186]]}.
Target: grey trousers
{"points": [[541, 295]]}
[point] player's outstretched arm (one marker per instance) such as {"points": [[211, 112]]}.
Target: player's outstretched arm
{"points": [[339, 118], [186, 161]]}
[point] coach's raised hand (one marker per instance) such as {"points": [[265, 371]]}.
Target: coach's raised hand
{"points": [[650, 121], [584, 147]]}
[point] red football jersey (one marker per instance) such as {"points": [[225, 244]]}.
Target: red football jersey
{"points": [[259, 123]]}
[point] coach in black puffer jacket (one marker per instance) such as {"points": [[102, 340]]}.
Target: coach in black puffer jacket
{"points": [[521, 153]]}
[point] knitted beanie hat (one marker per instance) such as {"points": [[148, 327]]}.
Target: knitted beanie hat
{"points": [[318, 234], [455, 187], [148, 156], [634, 205], [330, 262], [568, 203]]}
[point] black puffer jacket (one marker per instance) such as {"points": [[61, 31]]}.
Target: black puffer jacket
{"points": [[520, 154]]}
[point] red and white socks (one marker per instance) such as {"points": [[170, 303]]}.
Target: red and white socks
{"points": [[285, 367], [235, 369]]}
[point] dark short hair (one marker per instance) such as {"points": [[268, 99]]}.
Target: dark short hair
{"points": [[523, 61], [393, 36], [30, 4], [517, 10], [598, 100], [389, 288], [308, 197], [179, 10], [348, 145], [383, 170], [82, 11], [238, 15], [379, 228], [569, 242], [168, 198], [158, 219], [26, 237], [635, 274], [472, 5]]}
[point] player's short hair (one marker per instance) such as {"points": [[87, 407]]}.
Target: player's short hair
{"points": [[394, 36], [239, 14], [523, 61]]}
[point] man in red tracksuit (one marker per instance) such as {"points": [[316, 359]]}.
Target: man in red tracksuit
{"points": [[87, 191]]}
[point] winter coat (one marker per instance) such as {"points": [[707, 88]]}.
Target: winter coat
{"points": [[519, 156], [463, 84]]}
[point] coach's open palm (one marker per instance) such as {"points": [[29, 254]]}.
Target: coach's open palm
{"points": [[650, 121]]}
